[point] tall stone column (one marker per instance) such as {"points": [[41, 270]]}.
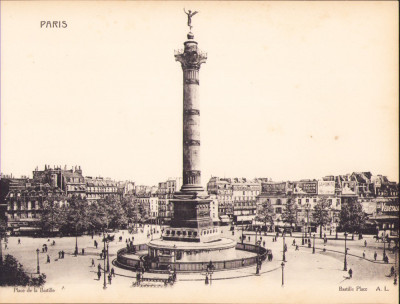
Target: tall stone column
{"points": [[191, 59]]}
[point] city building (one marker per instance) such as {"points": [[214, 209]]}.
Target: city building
{"points": [[25, 205], [214, 210], [125, 188], [165, 193], [153, 208], [99, 188], [244, 198], [70, 181], [221, 188]]}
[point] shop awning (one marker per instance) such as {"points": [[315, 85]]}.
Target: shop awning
{"points": [[245, 217], [29, 229], [224, 218]]}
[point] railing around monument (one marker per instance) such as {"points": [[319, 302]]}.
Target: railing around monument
{"points": [[131, 263]]}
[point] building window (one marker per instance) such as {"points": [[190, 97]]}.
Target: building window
{"points": [[307, 200]]}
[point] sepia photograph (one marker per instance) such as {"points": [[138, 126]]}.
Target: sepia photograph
{"points": [[199, 151]]}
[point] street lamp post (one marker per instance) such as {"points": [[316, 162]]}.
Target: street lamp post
{"points": [[210, 270], [38, 267], [242, 232], [76, 240], [308, 219], [104, 262], [345, 251], [313, 248], [283, 267], [108, 260], [384, 248], [283, 249]]}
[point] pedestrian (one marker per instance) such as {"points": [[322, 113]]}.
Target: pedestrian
{"points": [[62, 254], [99, 274], [59, 254], [365, 243], [48, 259], [99, 267], [83, 251], [364, 254], [5, 246], [350, 273], [263, 243], [112, 271], [392, 271], [297, 247], [375, 255], [54, 242], [101, 255], [45, 246], [294, 242], [272, 256], [206, 281], [19, 241], [109, 279], [92, 262]]}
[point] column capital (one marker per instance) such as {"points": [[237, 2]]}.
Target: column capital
{"points": [[191, 57]]}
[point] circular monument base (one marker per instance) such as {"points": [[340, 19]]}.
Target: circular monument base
{"points": [[167, 255], [176, 251]]}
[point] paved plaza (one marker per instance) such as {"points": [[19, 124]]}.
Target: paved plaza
{"points": [[305, 273]]}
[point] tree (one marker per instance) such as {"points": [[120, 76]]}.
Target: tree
{"points": [[76, 217], [52, 216], [266, 214], [107, 213], [321, 214], [289, 214], [130, 210], [352, 217], [12, 274], [117, 215]]}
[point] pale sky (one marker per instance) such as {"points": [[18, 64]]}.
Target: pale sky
{"points": [[290, 90]]}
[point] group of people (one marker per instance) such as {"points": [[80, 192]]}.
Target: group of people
{"points": [[109, 276], [130, 247], [103, 254], [61, 254], [44, 248]]}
